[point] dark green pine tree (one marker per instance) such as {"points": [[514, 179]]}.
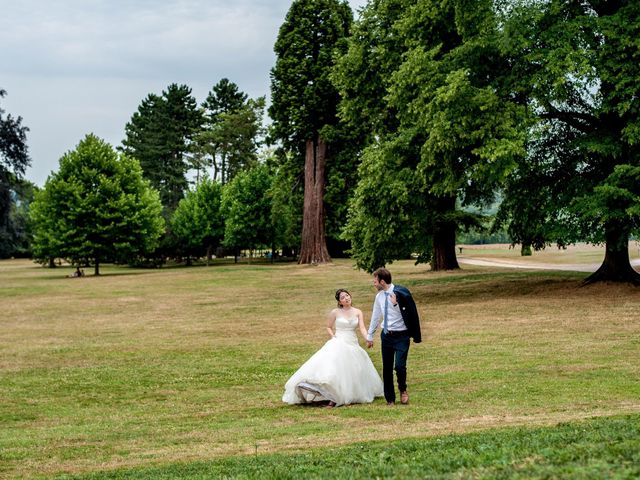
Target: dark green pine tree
{"points": [[304, 105], [224, 97], [159, 136]]}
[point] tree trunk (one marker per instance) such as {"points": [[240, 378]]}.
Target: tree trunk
{"points": [[616, 266], [314, 245], [223, 169], [96, 270], [444, 240]]}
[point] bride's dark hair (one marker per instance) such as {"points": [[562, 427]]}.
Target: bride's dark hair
{"points": [[338, 292]]}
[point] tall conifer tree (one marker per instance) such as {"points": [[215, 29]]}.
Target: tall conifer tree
{"points": [[304, 104], [159, 136]]}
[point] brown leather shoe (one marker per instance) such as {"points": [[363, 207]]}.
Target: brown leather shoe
{"points": [[404, 397]]}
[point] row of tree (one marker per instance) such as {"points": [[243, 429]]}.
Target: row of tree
{"points": [[452, 102], [170, 134], [98, 208], [394, 129]]}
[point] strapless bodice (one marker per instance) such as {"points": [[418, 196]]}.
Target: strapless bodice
{"points": [[346, 329]]}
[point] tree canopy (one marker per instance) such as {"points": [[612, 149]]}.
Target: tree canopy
{"points": [[159, 136], [577, 63], [444, 126], [197, 223], [392, 134], [96, 208]]}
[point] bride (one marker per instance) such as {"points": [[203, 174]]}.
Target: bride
{"points": [[340, 372]]}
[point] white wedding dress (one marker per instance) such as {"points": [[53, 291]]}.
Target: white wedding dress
{"points": [[341, 372]]}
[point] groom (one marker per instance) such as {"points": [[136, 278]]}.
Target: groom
{"points": [[394, 305]]}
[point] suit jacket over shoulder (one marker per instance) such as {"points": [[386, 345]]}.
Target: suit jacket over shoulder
{"points": [[409, 312]]}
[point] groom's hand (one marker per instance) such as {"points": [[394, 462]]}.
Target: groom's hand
{"points": [[369, 343]]}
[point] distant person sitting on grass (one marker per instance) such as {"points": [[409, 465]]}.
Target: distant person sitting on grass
{"points": [[77, 273]]}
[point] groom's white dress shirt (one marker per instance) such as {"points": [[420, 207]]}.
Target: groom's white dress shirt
{"points": [[395, 323]]}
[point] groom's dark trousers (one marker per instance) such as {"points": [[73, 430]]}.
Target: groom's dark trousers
{"points": [[395, 349]]}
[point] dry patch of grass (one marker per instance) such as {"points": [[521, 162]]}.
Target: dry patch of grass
{"points": [[142, 367]]}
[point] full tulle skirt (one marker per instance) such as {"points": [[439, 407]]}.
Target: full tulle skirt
{"points": [[340, 372]]}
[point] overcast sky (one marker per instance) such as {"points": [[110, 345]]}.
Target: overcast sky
{"points": [[73, 67]]}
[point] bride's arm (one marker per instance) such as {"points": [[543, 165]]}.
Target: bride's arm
{"points": [[331, 322], [363, 329]]}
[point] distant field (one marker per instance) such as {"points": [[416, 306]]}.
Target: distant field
{"points": [[175, 368], [580, 253]]}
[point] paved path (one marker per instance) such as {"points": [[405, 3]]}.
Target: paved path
{"points": [[574, 267]]}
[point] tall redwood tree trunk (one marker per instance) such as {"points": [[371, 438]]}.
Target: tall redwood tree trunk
{"points": [[616, 266], [444, 239], [314, 244]]}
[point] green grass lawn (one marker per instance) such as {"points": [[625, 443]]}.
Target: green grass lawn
{"points": [[597, 448], [179, 372]]}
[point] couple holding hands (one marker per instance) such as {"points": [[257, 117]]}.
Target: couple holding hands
{"points": [[341, 372]]}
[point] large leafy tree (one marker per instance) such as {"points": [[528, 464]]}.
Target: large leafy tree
{"points": [[159, 135], [285, 196], [363, 76], [532, 192], [304, 105], [14, 160], [247, 210], [579, 64], [97, 208], [197, 223], [429, 80], [389, 212]]}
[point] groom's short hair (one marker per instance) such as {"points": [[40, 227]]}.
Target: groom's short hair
{"points": [[383, 274]]}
